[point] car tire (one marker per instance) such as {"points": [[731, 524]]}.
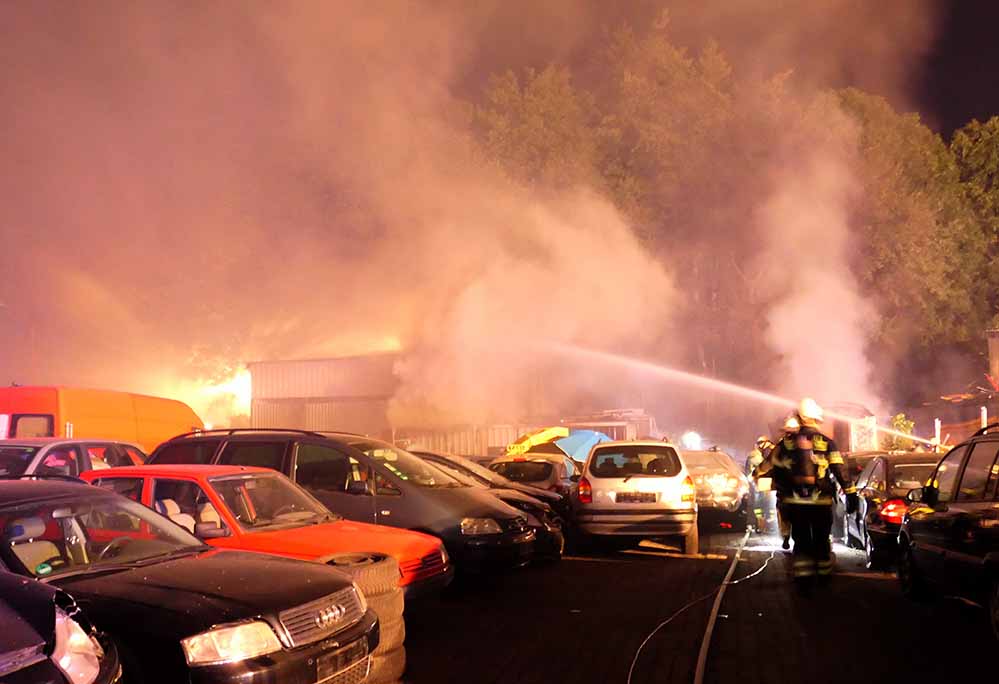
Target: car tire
{"points": [[387, 667], [909, 577], [691, 544], [374, 573], [874, 559], [388, 606], [392, 635]]}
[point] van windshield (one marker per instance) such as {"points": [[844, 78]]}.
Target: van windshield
{"points": [[14, 460], [635, 461]]}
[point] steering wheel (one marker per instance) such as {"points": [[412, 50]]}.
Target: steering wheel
{"points": [[287, 508], [117, 542]]}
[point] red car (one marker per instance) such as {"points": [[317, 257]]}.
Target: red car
{"points": [[258, 509]]}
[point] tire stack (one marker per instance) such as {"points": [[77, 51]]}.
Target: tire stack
{"points": [[378, 578]]}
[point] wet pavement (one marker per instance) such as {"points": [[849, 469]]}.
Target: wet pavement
{"points": [[582, 620]]}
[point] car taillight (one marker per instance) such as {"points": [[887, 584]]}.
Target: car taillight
{"points": [[687, 490], [585, 491], [893, 511]]}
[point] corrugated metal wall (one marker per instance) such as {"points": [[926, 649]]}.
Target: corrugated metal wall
{"points": [[365, 416], [357, 376], [464, 441]]}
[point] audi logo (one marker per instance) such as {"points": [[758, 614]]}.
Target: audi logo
{"points": [[330, 615]]}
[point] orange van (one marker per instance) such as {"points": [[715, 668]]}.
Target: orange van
{"points": [[93, 413]]}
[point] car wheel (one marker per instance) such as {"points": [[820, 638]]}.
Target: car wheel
{"points": [[994, 609], [691, 542], [374, 573], [387, 667], [909, 577], [873, 557], [393, 635]]}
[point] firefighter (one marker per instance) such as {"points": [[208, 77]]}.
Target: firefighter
{"points": [[805, 461], [763, 469], [759, 455]]}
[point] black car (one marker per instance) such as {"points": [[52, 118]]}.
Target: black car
{"points": [[371, 481], [45, 637], [547, 525], [882, 487], [177, 609], [949, 539], [490, 478]]}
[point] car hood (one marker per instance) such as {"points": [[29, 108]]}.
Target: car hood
{"points": [[470, 502], [318, 542], [536, 492], [184, 596], [514, 495]]}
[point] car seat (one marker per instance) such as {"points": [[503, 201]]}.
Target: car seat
{"points": [[24, 535], [170, 509], [657, 466], [207, 514]]}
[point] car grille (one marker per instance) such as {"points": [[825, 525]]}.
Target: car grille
{"points": [[321, 618], [518, 524], [431, 564], [355, 674]]}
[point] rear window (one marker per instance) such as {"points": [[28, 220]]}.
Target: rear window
{"points": [[631, 461], [256, 454], [911, 475], [524, 471], [14, 460], [197, 453]]}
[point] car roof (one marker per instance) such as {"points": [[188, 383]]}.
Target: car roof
{"points": [[44, 441], [17, 491], [178, 469], [529, 456], [637, 442]]}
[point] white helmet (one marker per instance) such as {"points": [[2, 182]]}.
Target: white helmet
{"points": [[810, 411], [791, 424]]}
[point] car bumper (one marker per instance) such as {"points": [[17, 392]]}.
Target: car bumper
{"points": [[494, 552], [720, 504], [46, 670], [884, 538], [636, 522], [429, 586], [304, 665], [549, 542]]}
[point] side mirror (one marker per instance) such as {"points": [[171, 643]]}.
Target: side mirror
{"points": [[575, 478], [209, 530], [915, 495], [359, 487]]}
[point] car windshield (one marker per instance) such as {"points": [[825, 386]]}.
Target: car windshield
{"points": [[524, 471], [258, 501], [88, 533], [635, 461], [14, 460], [405, 466], [461, 475], [910, 475], [705, 460]]}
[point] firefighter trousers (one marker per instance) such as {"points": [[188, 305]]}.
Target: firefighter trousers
{"points": [[811, 525]]}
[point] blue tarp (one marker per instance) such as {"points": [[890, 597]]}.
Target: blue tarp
{"points": [[578, 444]]}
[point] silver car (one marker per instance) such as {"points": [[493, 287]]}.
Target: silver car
{"points": [[634, 490], [722, 489], [69, 457]]}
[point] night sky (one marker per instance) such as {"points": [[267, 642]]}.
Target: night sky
{"points": [[959, 80]]}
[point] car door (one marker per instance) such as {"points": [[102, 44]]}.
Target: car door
{"points": [[971, 526], [929, 523], [342, 483], [854, 522], [60, 459]]}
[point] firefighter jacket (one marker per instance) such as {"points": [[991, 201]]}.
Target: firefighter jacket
{"points": [[804, 464], [757, 457]]}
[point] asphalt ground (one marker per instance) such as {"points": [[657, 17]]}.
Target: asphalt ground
{"points": [[581, 620]]}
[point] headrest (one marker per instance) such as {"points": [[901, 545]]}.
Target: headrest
{"points": [[207, 513], [167, 507], [24, 529]]}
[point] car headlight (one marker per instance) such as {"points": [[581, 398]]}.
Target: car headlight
{"points": [[476, 526], [230, 644], [361, 599], [76, 653]]}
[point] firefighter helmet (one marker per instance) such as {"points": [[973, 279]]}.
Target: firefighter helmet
{"points": [[791, 423], [809, 411]]}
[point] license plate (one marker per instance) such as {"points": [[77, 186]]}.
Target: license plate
{"points": [[635, 497], [329, 664]]}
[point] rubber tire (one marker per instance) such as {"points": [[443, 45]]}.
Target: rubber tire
{"points": [[393, 635], [874, 559], [994, 609], [388, 606], [912, 584], [374, 573], [387, 667], [691, 545]]}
